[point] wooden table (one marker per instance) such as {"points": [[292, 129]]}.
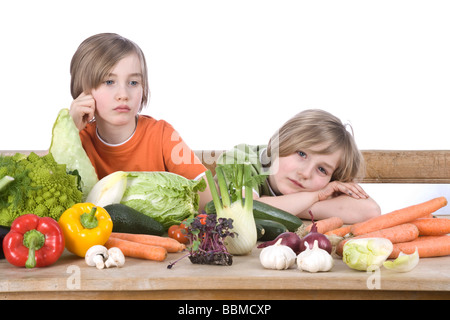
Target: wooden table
{"points": [[71, 278]]}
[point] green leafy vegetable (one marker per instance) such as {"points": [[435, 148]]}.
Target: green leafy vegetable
{"points": [[67, 149], [34, 184], [366, 254], [404, 262], [109, 190], [166, 197]]}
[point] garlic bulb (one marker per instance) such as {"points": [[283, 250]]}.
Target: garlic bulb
{"points": [[315, 259], [277, 256]]}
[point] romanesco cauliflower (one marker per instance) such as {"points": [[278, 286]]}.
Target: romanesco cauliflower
{"points": [[39, 185]]}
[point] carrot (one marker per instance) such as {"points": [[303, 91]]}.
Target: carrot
{"points": [[137, 250], [340, 232], [398, 217], [432, 226], [401, 233], [171, 245], [426, 238], [431, 246], [327, 224]]}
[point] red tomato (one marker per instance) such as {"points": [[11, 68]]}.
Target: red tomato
{"points": [[202, 218], [172, 230], [178, 233]]}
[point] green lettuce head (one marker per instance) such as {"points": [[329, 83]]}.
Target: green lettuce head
{"points": [[366, 254], [166, 197]]}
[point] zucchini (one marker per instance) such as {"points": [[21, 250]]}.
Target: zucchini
{"points": [[267, 212], [259, 231], [272, 229], [3, 232], [128, 220]]}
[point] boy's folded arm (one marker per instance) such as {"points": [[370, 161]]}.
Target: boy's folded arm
{"points": [[294, 203], [349, 209]]}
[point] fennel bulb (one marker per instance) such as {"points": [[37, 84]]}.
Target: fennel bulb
{"points": [[240, 211]]}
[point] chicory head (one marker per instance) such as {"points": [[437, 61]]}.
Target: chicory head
{"points": [[366, 254], [109, 189]]}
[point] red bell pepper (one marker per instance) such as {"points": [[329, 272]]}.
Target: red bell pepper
{"points": [[33, 241]]}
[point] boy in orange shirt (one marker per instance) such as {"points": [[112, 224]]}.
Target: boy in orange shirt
{"points": [[109, 84]]}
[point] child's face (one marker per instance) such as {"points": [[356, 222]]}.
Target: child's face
{"points": [[304, 170], [118, 98]]}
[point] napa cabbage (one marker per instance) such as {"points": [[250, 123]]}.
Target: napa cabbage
{"points": [[166, 197]]}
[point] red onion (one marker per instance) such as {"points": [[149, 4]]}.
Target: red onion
{"points": [[322, 239], [290, 239]]}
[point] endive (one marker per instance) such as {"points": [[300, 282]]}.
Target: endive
{"points": [[232, 205], [109, 189], [404, 262]]}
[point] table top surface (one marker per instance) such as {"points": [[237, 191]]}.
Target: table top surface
{"points": [[71, 273]]}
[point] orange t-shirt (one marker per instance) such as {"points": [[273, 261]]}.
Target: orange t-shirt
{"points": [[154, 146]]}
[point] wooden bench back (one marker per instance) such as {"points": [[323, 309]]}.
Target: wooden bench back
{"points": [[382, 166], [388, 166]]}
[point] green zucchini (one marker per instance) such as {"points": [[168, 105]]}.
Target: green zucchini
{"points": [[272, 229], [259, 231], [129, 220], [267, 212]]}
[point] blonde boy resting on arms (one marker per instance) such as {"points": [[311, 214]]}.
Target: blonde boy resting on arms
{"points": [[312, 162]]}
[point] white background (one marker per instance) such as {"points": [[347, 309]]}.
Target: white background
{"points": [[226, 72]]}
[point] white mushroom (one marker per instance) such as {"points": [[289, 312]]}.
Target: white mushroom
{"points": [[116, 258], [96, 256]]}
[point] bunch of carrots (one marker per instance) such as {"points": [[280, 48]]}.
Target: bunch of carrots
{"points": [[144, 246], [406, 228]]}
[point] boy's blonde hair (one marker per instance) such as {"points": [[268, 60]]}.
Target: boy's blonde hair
{"points": [[96, 57], [311, 128]]}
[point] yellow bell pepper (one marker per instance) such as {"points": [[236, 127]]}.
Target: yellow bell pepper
{"points": [[85, 225]]}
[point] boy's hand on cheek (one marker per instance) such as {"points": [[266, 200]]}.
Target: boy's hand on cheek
{"points": [[82, 110]]}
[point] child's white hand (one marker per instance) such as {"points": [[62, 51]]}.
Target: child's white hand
{"points": [[349, 188], [82, 110]]}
